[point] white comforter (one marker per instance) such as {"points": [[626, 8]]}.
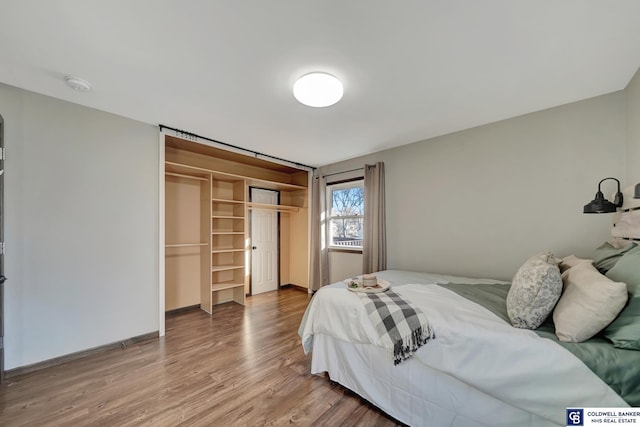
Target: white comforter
{"points": [[473, 345]]}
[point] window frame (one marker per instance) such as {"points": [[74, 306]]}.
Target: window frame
{"points": [[338, 185]]}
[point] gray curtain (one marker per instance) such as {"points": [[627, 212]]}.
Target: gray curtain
{"points": [[374, 251], [319, 256]]}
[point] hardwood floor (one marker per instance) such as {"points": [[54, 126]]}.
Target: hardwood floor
{"points": [[241, 366]]}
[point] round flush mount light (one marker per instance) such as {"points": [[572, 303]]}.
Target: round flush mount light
{"points": [[318, 89], [76, 83]]}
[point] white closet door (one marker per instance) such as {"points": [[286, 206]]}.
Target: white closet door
{"points": [[264, 242]]}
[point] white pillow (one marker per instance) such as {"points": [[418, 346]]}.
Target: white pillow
{"points": [[571, 261], [590, 302], [534, 291]]}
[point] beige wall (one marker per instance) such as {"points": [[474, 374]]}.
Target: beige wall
{"points": [[481, 201], [344, 265], [633, 130], [81, 223]]}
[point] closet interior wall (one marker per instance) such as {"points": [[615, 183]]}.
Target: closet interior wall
{"points": [[186, 240]]}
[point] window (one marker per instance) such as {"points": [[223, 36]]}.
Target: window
{"points": [[346, 214]]}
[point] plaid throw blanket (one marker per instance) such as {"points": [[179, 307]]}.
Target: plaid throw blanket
{"points": [[403, 327]]}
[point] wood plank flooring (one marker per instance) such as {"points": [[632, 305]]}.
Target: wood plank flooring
{"points": [[241, 366]]}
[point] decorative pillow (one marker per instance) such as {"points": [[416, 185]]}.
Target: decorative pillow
{"points": [[535, 289], [571, 261], [607, 255], [624, 332], [590, 302], [619, 242]]}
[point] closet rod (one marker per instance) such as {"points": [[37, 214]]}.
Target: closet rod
{"points": [[235, 147], [338, 173], [184, 245]]}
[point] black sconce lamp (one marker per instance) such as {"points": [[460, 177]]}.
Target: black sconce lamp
{"points": [[602, 205], [637, 196]]}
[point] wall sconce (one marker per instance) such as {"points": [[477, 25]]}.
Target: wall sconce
{"points": [[637, 196], [602, 205]]}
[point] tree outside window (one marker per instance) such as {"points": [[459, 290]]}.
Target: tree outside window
{"points": [[346, 207]]}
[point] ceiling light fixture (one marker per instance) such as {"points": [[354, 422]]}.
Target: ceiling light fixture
{"points": [[318, 89], [76, 83]]}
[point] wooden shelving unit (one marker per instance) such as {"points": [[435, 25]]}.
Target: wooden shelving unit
{"points": [[225, 179], [228, 241]]}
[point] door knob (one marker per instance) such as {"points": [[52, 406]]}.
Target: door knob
{"points": [[254, 247]]}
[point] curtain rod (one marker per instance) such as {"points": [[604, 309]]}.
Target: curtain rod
{"points": [[338, 173], [254, 153]]}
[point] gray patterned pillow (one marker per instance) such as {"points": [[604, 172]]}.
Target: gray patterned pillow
{"points": [[535, 290]]}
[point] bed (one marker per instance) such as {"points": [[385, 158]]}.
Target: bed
{"points": [[478, 370]]}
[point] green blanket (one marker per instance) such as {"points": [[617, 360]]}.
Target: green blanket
{"points": [[617, 367]]}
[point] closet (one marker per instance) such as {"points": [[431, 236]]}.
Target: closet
{"points": [[207, 223]]}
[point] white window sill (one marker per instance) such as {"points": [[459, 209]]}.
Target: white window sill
{"points": [[344, 249]]}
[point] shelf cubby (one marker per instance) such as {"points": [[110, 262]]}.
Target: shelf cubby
{"points": [[227, 225]]}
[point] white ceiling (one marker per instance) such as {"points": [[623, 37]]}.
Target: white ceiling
{"points": [[411, 69]]}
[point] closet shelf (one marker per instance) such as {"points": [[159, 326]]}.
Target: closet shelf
{"points": [[218, 233], [222, 251], [282, 208], [225, 285], [184, 245], [226, 217], [253, 182], [177, 168], [181, 175], [226, 201], [225, 267]]}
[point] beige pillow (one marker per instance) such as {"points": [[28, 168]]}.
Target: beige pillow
{"points": [[589, 302], [571, 261]]}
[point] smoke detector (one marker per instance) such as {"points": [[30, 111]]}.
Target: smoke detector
{"points": [[78, 84]]}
